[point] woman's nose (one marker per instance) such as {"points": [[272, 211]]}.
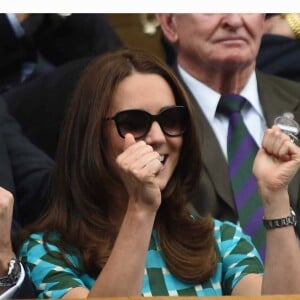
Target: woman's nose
{"points": [[155, 134]]}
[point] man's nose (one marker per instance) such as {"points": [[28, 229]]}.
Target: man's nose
{"points": [[232, 20]]}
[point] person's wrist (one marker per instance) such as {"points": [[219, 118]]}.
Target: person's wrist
{"points": [[5, 257], [288, 220], [275, 203]]}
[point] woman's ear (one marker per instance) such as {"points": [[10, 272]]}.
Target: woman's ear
{"points": [[168, 27]]}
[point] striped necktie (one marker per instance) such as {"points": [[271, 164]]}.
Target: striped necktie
{"points": [[241, 151]]}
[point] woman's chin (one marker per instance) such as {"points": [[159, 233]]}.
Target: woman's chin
{"points": [[162, 183]]}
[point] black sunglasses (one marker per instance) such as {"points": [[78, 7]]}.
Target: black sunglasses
{"points": [[172, 120]]}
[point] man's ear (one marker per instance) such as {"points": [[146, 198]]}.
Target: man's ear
{"points": [[168, 27]]}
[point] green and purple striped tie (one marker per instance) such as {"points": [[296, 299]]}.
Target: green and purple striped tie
{"points": [[241, 151]]}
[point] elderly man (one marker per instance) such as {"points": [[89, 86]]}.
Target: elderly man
{"points": [[216, 60]]}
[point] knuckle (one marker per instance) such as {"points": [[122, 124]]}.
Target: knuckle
{"points": [[149, 148]]}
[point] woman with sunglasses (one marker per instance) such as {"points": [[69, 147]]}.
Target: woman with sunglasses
{"points": [[127, 163]]}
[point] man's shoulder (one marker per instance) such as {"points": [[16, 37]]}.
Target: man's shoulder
{"points": [[276, 81]]}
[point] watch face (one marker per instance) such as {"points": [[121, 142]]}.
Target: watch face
{"points": [[293, 217], [13, 274], [14, 270]]}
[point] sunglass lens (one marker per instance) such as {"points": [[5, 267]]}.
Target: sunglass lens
{"points": [[174, 121], [132, 121]]}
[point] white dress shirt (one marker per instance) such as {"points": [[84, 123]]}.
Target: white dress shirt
{"points": [[208, 100]]}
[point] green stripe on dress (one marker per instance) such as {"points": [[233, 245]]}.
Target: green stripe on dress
{"points": [[187, 292], [157, 282]]}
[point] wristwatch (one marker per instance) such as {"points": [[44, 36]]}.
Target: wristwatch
{"points": [[13, 274], [290, 220]]}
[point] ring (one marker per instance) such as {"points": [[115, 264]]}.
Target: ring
{"points": [[288, 125], [293, 138]]}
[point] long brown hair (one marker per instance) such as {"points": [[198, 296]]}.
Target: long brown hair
{"points": [[82, 182]]}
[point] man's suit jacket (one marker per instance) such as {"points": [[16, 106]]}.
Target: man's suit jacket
{"points": [[51, 40], [214, 194], [39, 106]]}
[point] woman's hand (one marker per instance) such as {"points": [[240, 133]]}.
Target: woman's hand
{"points": [[276, 162], [139, 165], [123, 272]]}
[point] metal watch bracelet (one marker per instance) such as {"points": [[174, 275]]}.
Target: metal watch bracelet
{"points": [[13, 274], [290, 220]]}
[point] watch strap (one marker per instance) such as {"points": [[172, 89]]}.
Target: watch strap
{"points": [[290, 220], [13, 274]]}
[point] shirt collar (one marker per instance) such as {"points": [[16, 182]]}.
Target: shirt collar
{"points": [[201, 92]]}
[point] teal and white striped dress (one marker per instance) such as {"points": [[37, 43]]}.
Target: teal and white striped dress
{"points": [[52, 278]]}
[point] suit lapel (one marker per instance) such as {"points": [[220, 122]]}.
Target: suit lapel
{"points": [[274, 99], [277, 99], [214, 162]]}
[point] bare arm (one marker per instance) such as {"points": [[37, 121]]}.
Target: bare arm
{"points": [[123, 273], [276, 163], [6, 210]]}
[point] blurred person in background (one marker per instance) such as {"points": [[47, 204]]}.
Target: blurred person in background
{"points": [[36, 43], [280, 46]]}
